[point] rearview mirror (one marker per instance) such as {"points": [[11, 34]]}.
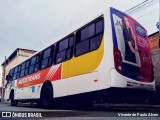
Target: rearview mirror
{"points": [[7, 77]]}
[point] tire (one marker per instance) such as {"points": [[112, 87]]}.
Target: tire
{"points": [[46, 99], [13, 102]]}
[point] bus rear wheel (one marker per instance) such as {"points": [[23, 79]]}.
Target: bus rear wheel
{"points": [[46, 99]]}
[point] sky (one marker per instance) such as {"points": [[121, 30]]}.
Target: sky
{"points": [[35, 24]]}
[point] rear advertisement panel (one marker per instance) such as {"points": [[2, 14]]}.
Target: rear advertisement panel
{"points": [[132, 40]]}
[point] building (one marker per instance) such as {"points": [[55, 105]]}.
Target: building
{"points": [[15, 58], [154, 41]]}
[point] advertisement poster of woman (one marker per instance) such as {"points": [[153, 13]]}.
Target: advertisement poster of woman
{"points": [[126, 40], [129, 40]]}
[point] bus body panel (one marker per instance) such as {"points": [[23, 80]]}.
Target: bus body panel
{"points": [[107, 62], [118, 80], [83, 64]]}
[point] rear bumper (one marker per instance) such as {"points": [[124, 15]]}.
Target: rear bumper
{"points": [[118, 80]]}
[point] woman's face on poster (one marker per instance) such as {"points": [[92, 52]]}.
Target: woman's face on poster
{"points": [[126, 21]]}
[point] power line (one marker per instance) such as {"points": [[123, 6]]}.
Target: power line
{"points": [[151, 11], [90, 11], [141, 6], [135, 7]]}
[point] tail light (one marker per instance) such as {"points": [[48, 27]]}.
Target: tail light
{"points": [[118, 60]]}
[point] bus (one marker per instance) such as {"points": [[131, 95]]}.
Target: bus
{"points": [[109, 53]]}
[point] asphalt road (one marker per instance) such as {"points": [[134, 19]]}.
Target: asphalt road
{"points": [[64, 113]]}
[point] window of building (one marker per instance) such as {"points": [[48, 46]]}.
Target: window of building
{"points": [[64, 49], [89, 37]]}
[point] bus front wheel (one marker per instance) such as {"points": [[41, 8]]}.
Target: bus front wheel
{"points": [[13, 102]]}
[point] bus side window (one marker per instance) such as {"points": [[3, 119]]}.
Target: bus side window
{"points": [[14, 76], [19, 70], [46, 58], [82, 39], [11, 73], [26, 68], [82, 48], [96, 40], [22, 69], [64, 49], [87, 32], [15, 73], [34, 64], [18, 75], [16, 69], [89, 37], [63, 45], [60, 56], [99, 27]]}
